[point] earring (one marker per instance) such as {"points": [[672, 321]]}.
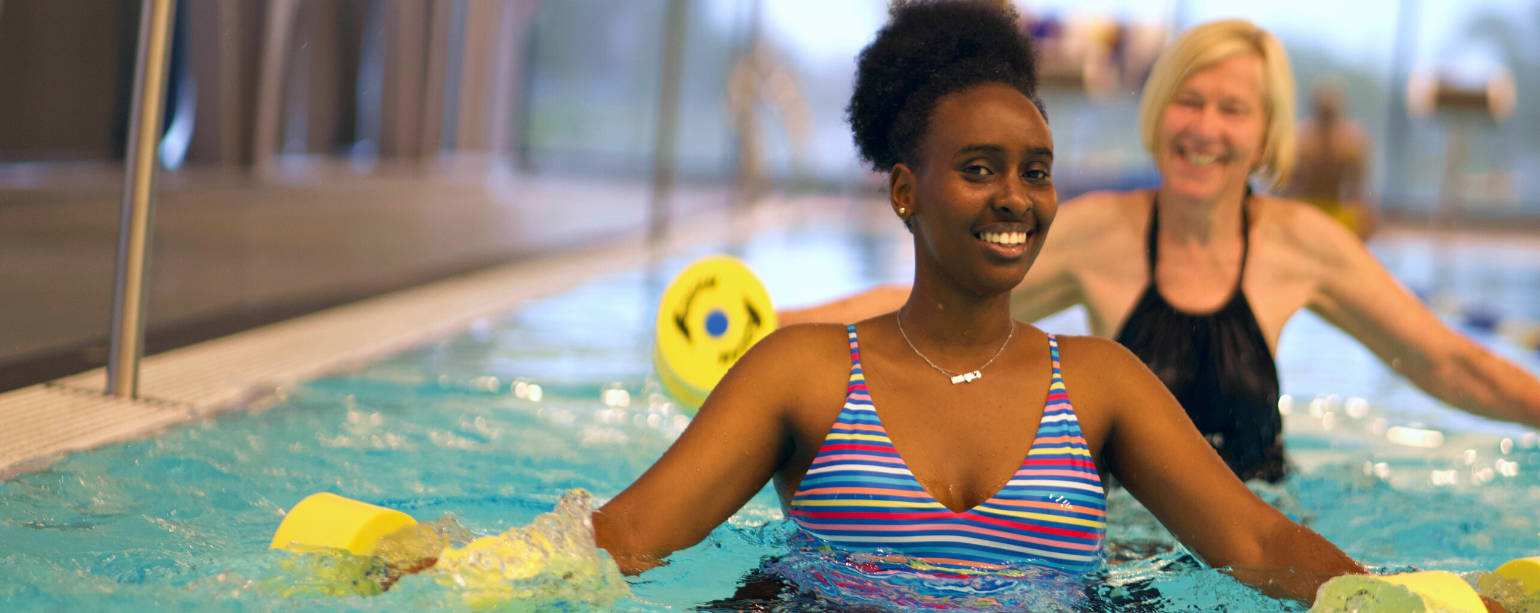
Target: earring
{"points": [[902, 211]]}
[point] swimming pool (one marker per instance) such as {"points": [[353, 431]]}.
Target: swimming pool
{"points": [[495, 423]]}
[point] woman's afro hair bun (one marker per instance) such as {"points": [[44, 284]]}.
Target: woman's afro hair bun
{"points": [[928, 49]]}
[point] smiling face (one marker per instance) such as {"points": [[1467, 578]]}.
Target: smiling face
{"points": [[1213, 131], [982, 197]]}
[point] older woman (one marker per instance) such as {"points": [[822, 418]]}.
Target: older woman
{"points": [[1199, 276]]}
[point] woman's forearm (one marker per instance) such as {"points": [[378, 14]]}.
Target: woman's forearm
{"points": [[614, 536], [1295, 561], [1477, 381]]}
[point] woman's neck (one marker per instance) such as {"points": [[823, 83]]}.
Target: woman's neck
{"points": [[1201, 220], [952, 322]]}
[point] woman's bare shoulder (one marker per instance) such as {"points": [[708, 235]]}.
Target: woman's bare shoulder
{"points": [[1096, 358], [1102, 215], [1100, 376], [1107, 204], [1306, 231], [792, 368], [804, 344]]}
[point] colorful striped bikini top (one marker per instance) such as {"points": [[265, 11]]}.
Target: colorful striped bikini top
{"points": [[859, 496]]}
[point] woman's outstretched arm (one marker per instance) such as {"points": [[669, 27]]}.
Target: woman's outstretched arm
{"points": [[1359, 296], [1153, 449], [736, 443], [859, 306]]}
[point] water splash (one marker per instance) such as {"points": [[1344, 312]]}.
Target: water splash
{"points": [[550, 563], [416, 548], [1508, 592]]}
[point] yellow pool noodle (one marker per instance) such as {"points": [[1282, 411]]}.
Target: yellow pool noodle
{"points": [[329, 520]]}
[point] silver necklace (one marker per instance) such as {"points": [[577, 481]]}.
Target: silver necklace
{"points": [[956, 377]]}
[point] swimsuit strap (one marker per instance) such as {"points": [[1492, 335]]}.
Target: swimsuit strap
{"points": [[1152, 249], [1053, 352], [856, 374], [1245, 232], [855, 347]]}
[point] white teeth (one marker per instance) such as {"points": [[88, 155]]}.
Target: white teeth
{"points": [[1200, 160], [1004, 238]]}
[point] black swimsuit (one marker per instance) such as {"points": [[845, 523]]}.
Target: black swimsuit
{"points": [[1218, 366]]}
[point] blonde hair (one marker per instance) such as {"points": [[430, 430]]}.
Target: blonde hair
{"points": [[1205, 45]]}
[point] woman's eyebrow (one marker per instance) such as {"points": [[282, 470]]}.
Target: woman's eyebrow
{"points": [[1040, 152], [971, 149], [1033, 152]]}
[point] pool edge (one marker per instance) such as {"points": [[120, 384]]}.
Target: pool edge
{"points": [[43, 423]]}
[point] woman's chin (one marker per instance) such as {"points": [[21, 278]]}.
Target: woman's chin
{"points": [[1191, 188], [1003, 283]]}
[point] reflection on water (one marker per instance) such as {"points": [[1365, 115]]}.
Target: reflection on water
{"points": [[494, 424]]}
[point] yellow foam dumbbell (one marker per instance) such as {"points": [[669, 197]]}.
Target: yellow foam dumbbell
{"points": [[329, 520], [710, 315], [1427, 591], [1525, 571]]}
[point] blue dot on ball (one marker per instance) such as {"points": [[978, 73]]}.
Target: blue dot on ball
{"points": [[716, 323]]}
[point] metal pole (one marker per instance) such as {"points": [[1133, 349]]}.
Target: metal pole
{"points": [[1398, 123], [668, 118], [128, 295], [275, 50]]}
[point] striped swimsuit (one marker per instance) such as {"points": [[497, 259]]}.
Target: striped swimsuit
{"points": [[859, 502]]}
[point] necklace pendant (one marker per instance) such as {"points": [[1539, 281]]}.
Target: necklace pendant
{"points": [[967, 377]]}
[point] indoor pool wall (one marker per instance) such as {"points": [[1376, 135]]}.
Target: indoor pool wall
{"points": [[495, 423]]}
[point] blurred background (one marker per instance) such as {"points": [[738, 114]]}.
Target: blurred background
{"points": [[316, 152]]}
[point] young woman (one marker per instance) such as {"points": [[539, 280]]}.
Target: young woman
{"points": [[946, 440], [1197, 278]]}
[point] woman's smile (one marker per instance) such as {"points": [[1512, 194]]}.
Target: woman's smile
{"points": [[1199, 157], [1005, 241]]}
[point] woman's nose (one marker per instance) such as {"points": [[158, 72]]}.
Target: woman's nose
{"points": [[1206, 125], [1013, 197]]}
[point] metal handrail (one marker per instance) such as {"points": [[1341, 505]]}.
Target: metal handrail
{"points": [[128, 295]]}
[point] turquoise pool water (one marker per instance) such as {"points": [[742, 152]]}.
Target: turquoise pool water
{"points": [[494, 424]]}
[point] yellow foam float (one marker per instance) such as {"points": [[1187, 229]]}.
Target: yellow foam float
{"points": [[329, 520], [710, 315], [1525, 571], [1427, 591]]}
